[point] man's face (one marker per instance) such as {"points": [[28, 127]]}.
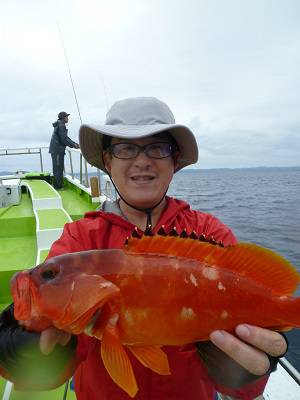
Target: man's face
{"points": [[142, 180], [66, 119]]}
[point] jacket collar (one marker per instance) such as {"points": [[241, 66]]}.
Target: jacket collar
{"points": [[113, 215]]}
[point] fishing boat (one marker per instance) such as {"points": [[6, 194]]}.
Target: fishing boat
{"points": [[32, 216]]}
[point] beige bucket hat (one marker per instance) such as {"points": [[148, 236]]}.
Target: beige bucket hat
{"points": [[133, 118]]}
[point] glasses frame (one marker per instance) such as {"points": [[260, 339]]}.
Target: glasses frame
{"points": [[144, 149]]}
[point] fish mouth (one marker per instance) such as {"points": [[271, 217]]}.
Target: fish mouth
{"points": [[22, 292]]}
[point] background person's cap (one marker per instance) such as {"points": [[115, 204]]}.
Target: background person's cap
{"points": [[133, 118], [62, 115]]}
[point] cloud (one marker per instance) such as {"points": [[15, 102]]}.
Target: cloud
{"points": [[229, 70]]}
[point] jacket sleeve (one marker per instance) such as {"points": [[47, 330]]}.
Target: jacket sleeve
{"points": [[22, 363], [64, 139]]}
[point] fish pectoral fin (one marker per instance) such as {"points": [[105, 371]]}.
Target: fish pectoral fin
{"points": [[117, 362], [152, 357]]}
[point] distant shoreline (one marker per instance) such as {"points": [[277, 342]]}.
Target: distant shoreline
{"points": [[189, 170], [240, 169]]}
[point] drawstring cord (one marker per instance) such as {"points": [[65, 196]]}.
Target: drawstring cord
{"points": [[147, 210]]}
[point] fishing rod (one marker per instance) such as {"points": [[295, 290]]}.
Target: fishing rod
{"points": [[71, 79], [78, 109], [69, 69]]}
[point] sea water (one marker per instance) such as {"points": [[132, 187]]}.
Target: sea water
{"points": [[260, 205]]}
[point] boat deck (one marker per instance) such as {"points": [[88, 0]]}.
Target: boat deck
{"points": [[45, 395], [17, 242], [26, 233], [27, 230]]}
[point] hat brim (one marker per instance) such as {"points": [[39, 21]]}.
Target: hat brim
{"points": [[90, 139]]}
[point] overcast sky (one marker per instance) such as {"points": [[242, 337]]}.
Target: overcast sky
{"points": [[229, 69]]}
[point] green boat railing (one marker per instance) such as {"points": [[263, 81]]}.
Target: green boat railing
{"points": [[74, 162]]}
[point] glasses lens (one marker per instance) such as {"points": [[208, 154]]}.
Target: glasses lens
{"points": [[159, 150], [124, 150], [131, 150]]}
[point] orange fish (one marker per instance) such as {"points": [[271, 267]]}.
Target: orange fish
{"points": [[158, 290]]}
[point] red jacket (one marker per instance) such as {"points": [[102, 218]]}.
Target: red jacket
{"points": [[189, 379]]}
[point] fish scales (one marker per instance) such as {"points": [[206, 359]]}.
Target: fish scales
{"points": [[153, 303]]}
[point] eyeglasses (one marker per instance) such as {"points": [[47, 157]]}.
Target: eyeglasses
{"points": [[132, 150]]}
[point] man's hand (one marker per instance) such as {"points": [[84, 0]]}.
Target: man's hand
{"points": [[251, 346], [52, 336]]}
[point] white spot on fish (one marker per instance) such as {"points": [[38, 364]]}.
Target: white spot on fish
{"points": [[210, 273], [176, 264], [187, 313], [72, 286], [135, 314], [128, 316], [283, 298], [114, 319], [105, 284], [221, 286], [193, 280], [224, 314]]}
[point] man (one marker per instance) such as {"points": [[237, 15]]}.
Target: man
{"points": [[141, 147], [59, 141]]}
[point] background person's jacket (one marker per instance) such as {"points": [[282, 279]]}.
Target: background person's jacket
{"points": [[60, 138], [189, 379]]}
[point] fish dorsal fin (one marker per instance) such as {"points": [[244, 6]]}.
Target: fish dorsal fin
{"points": [[171, 245], [116, 361], [152, 357], [264, 266], [260, 264]]}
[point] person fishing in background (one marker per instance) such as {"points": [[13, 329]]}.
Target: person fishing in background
{"points": [[141, 147], [59, 141]]}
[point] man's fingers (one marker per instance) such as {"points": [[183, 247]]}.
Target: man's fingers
{"points": [[250, 358], [268, 341], [50, 337]]}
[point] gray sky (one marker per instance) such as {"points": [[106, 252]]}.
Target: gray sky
{"points": [[229, 69]]}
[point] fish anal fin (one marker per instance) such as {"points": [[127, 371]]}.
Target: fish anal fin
{"points": [[152, 357], [116, 361]]}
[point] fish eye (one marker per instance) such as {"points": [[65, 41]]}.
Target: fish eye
{"points": [[49, 274]]}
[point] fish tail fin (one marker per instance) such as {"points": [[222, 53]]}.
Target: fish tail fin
{"points": [[290, 311], [293, 312]]}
